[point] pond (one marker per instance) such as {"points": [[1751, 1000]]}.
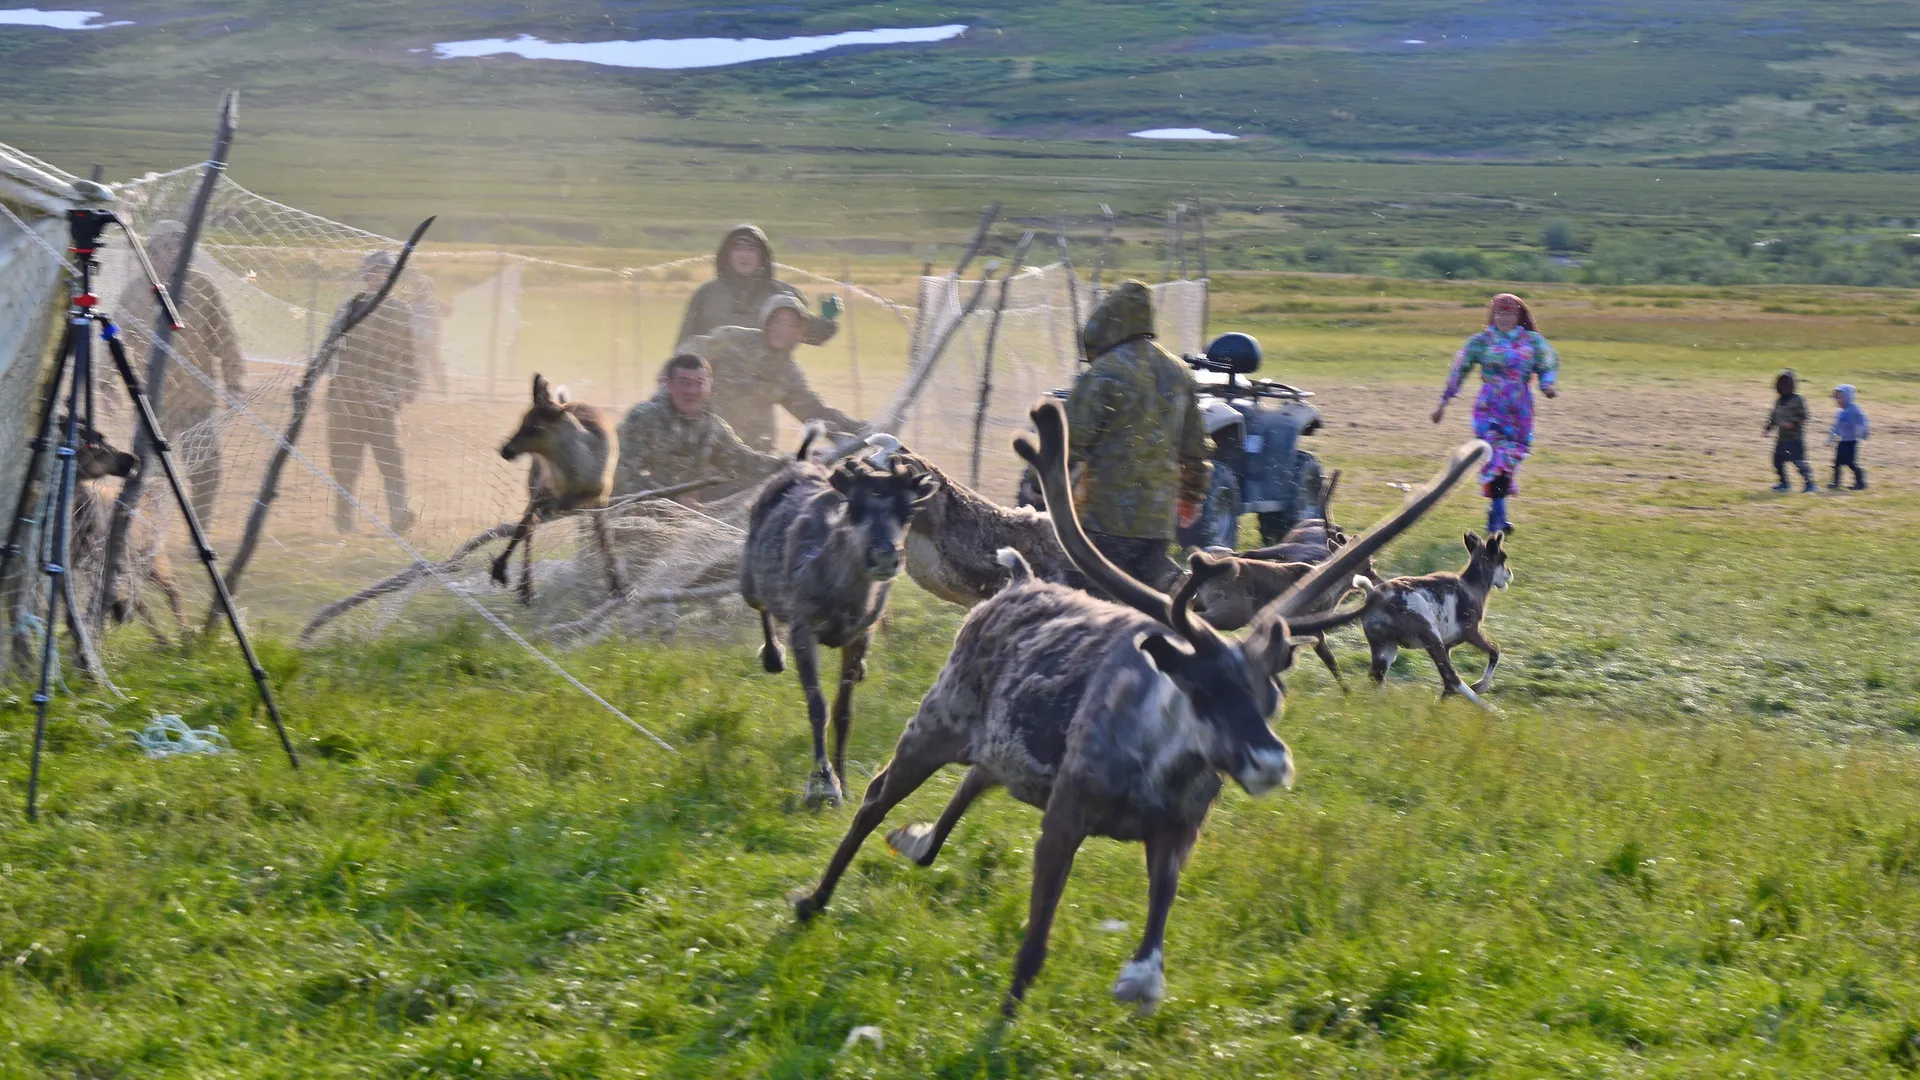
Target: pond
{"points": [[678, 53], [1192, 134], [55, 20]]}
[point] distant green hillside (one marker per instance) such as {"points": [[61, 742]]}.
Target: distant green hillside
{"points": [[1701, 81]]}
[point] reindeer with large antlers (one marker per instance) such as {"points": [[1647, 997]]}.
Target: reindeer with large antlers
{"points": [[1115, 719]]}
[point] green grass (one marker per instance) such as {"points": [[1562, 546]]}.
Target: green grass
{"points": [[1689, 845]]}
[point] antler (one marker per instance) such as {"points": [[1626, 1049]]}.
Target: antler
{"points": [[1269, 628], [1201, 568], [1049, 460]]}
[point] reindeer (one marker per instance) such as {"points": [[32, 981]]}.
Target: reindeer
{"points": [[574, 449], [1243, 586], [1115, 719], [822, 550], [950, 547], [95, 460], [1438, 612]]}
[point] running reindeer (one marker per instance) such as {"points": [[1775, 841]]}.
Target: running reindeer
{"points": [[574, 448], [1115, 719], [97, 460], [823, 547], [1438, 612], [951, 547]]}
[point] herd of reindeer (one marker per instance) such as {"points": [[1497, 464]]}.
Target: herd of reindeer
{"points": [[1112, 707]]}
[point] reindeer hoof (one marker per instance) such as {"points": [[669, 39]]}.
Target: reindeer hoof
{"points": [[499, 571], [1143, 982], [805, 907], [914, 841], [771, 660], [823, 787]]}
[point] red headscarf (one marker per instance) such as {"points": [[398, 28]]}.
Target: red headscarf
{"points": [[1510, 302]]}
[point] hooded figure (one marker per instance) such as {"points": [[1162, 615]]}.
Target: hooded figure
{"points": [[1849, 430], [1137, 446], [1789, 419], [754, 371], [736, 296], [209, 342]]}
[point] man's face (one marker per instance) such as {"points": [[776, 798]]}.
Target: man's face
{"points": [[743, 257], [689, 388], [783, 329]]}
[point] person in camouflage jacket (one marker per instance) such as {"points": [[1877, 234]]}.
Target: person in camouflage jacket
{"points": [[209, 342], [1136, 444], [742, 284], [674, 438], [754, 370]]}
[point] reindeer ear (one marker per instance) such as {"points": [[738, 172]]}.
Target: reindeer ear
{"points": [[1170, 656], [542, 393], [1472, 542], [560, 395], [842, 481]]}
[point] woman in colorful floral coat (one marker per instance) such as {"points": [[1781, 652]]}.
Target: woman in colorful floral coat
{"points": [[1510, 353]]}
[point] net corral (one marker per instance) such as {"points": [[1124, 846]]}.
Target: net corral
{"points": [[424, 434]]}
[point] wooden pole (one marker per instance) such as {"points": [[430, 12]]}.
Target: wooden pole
{"points": [[853, 338], [986, 364]]}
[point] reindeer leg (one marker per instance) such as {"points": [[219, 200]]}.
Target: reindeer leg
{"points": [[824, 783], [920, 841], [144, 611], [770, 659], [521, 533], [1478, 638], [853, 668], [603, 535], [914, 760], [1143, 980], [1052, 862], [1450, 680], [1325, 653]]}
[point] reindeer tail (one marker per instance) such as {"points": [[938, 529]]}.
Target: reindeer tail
{"points": [[1015, 562], [815, 429]]}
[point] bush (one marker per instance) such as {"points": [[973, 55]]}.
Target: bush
{"points": [[1556, 234], [1447, 263]]}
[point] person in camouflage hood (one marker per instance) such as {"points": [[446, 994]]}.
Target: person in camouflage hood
{"points": [[1137, 446], [674, 438], [754, 370], [742, 284], [375, 373], [209, 342]]}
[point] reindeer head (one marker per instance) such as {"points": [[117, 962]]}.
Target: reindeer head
{"points": [[545, 423], [96, 457], [880, 505], [1487, 560], [1232, 685]]}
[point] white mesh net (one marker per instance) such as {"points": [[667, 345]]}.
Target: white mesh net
{"points": [[410, 420]]}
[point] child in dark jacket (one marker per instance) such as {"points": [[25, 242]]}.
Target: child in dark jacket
{"points": [[1789, 418], [1849, 430]]}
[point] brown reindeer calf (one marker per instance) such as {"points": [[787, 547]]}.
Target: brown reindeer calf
{"points": [[574, 449], [1245, 585], [96, 460], [1439, 611]]}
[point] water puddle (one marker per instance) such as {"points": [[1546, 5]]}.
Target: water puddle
{"points": [[678, 53], [55, 20], [1190, 134]]}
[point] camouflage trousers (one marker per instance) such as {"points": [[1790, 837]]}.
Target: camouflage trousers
{"points": [[1144, 559]]}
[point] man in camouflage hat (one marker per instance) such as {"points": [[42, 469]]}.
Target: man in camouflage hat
{"points": [[742, 284], [674, 438], [375, 373], [754, 370], [210, 343], [1137, 447]]}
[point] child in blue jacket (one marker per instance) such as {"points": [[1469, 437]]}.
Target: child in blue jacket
{"points": [[1849, 431]]}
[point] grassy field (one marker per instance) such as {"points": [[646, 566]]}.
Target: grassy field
{"points": [[1689, 844]]}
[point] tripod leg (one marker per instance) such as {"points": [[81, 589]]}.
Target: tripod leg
{"points": [[23, 508], [143, 413], [78, 341]]}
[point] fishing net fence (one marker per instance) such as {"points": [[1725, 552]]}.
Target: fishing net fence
{"points": [[396, 497]]}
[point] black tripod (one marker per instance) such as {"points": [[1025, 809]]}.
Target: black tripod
{"points": [[75, 366]]}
